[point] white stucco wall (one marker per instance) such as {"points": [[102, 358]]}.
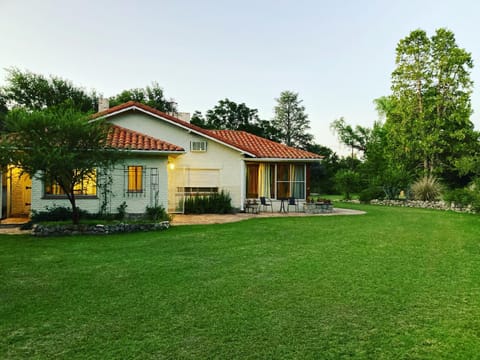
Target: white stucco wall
{"points": [[227, 161], [136, 203]]}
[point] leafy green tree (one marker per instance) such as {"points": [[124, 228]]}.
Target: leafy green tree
{"points": [[322, 173], [152, 96], [56, 145], [347, 181], [232, 116], [356, 138], [36, 92], [428, 113], [3, 111], [291, 120], [228, 115]]}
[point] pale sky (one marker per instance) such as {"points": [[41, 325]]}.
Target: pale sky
{"points": [[338, 55]]}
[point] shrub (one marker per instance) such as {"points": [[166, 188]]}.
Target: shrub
{"points": [[347, 181], [121, 211], [218, 203], [426, 189], [157, 213], [463, 198], [394, 179], [58, 213], [371, 193]]}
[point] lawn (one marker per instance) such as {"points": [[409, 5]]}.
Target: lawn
{"points": [[392, 284]]}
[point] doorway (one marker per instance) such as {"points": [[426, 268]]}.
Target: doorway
{"points": [[17, 187]]}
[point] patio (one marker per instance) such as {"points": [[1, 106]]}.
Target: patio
{"points": [[180, 219], [10, 226]]}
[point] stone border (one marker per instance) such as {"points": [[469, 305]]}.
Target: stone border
{"points": [[99, 229], [436, 205]]}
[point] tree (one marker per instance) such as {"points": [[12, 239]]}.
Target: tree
{"points": [[347, 181], [228, 115], [36, 92], [357, 138], [58, 146], [428, 114], [291, 120], [3, 111], [322, 173], [152, 96]]}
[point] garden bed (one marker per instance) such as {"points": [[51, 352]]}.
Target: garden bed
{"points": [[96, 229]]}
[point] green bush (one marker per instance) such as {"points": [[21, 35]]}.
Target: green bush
{"points": [[463, 198], [157, 213], [426, 189], [218, 203], [371, 193], [347, 181], [121, 211], [394, 179], [58, 213]]}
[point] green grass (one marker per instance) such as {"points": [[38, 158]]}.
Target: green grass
{"points": [[393, 284]]}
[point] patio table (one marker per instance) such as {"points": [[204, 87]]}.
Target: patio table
{"points": [[282, 204]]}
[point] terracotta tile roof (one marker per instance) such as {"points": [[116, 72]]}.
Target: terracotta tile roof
{"points": [[122, 138], [261, 147], [133, 104], [241, 140]]}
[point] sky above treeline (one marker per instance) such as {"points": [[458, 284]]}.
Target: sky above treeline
{"points": [[338, 55]]}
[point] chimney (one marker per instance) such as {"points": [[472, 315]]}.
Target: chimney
{"points": [[103, 104], [185, 116]]}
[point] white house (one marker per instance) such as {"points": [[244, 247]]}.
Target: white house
{"points": [[169, 159]]}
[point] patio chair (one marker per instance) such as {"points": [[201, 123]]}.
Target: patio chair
{"points": [[264, 203], [292, 202]]}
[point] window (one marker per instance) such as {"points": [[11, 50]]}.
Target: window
{"points": [[252, 181], [291, 181], [198, 146], [260, 180], [280, 180], [85, 187], [198, 191], [135, 179]]}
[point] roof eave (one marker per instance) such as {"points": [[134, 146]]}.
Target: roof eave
{"points": [[267, 159], [153, 152], [134, 107]]}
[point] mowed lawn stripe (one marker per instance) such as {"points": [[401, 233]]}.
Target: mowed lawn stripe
{"points": [[394, 283]]}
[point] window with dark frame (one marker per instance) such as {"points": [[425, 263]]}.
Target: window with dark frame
{"points": [[198, 146], [135, 179], [85, 187]]}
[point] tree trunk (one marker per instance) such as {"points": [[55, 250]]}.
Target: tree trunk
{"points": [[75, 212]]}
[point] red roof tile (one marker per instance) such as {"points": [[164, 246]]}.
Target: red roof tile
{"points": [[241, 140], [134, 104], [122, 138], [261, 147]]}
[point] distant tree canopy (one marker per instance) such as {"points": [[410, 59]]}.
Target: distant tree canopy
{"points": [[58, 146], [229, 115], [356, 138], [292, 121], [152, 96], [36, 92], [428, 112], [425, 126]]}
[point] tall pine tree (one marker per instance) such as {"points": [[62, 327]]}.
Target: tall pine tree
{"points": [[291, 119], [428, 119]]}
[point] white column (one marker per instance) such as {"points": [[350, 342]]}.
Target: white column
{"points": [[242, 183]]}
